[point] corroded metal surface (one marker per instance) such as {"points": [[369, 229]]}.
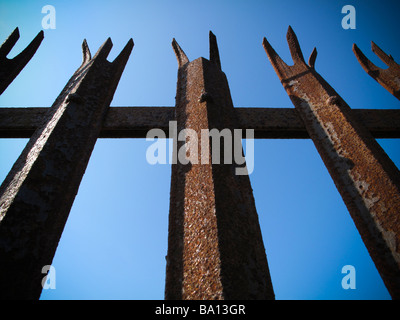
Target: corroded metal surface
{"points": [[388, 78], [10, 68], [285, 123], [36, 196], [135, 122], [215, 247], [366, 178]]}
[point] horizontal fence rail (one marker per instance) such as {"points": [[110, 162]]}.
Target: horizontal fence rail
{"points": [[135, 122]]}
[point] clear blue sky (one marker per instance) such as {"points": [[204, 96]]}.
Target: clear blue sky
{"points": [[115, 241]]}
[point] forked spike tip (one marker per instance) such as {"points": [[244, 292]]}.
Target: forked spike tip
{"points": [[294, 46], [179, 53], [214, 52], [365, 63], [387, 59], [104, 50], [125, 53], [40, 34], [24, 56], [86, 52], [14, 36], [268, 48], [9, 43], [278, 64], [312, 58]]}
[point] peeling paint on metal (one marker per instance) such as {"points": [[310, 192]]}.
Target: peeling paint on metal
{"points": [[366, 178]]}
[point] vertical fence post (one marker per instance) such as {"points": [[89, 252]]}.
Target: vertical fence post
{"points": [[388, 78], [215, 247], [37, 194], [366, 178], [10, 68]]}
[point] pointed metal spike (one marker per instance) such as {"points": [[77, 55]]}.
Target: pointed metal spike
{"points": [[214, 52], [366, 64], [9, 43], [24, 56], [278, 64], [125, 53], [388, 78], [179, 53], [294, 46], [388, 60], [312, 58], [65, 139], [320, 106], [86, 52], [104, 50], [10, 68]]}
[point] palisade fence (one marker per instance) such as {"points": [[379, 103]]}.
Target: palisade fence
{"points": [[215, 247]]}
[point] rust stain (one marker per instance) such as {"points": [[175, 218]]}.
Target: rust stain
{"points": [[388, 78], [366, 178], [215, 247]]}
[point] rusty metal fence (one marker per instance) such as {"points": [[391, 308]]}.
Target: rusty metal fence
{"points": [[215, 247]]}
